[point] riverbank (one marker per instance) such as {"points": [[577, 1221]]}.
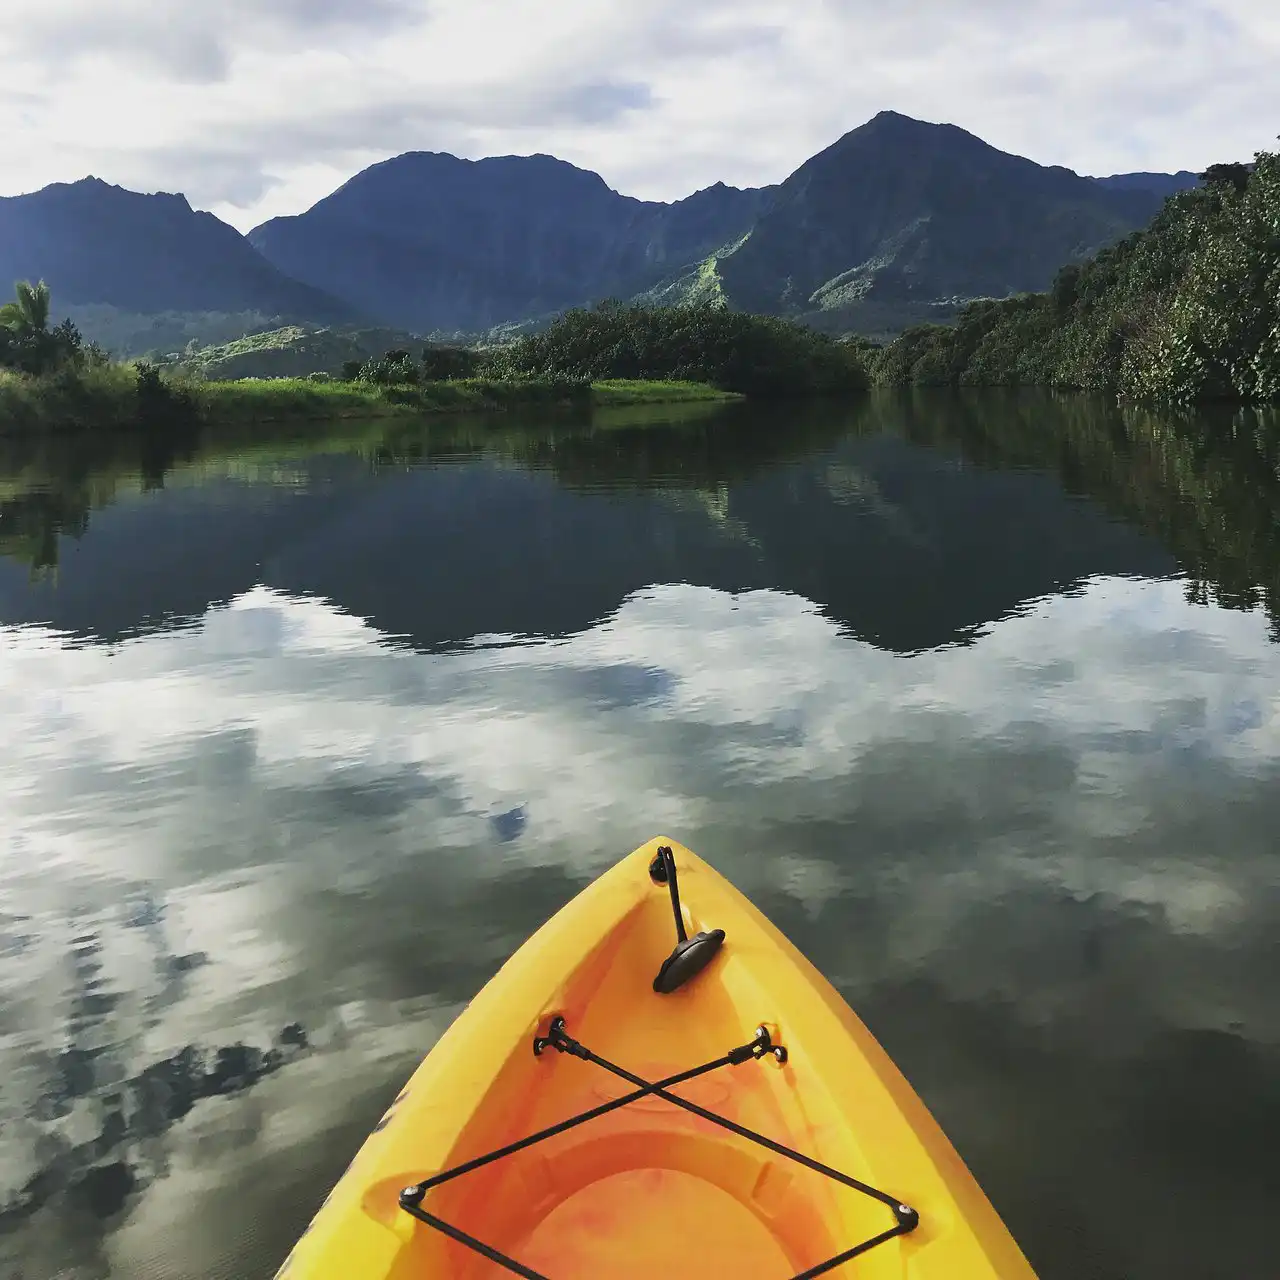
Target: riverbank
{"points": [[286, 399], [118, 396]]}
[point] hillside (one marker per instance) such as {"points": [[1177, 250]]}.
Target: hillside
{"points": [[895, 219], [129, 335], [146, 254], [292, 351], [432, 242], [1186, 310], [899, 211]]}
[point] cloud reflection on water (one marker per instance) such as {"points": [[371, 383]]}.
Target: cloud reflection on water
{"points": [[1066, 825]]}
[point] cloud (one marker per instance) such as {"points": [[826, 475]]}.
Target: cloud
{"points": [[188, 43], [275, 104]]}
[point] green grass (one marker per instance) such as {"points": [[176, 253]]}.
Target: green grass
{"points": [[620, 391], [280, 399], [107, 397], [104, 397]]}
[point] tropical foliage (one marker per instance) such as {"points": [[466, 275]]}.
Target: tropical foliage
{"points": [[1186, 310], [50, 379], [704, 343], [732, 350], [28, 345]]}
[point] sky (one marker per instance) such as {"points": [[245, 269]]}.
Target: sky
{"points": [[255, 108]]}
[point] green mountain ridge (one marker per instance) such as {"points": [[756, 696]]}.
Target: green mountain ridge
{"points": [[893, 220], [436, 242], [903, 211], [898, 221]]}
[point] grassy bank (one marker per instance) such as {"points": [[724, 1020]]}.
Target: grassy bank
{"points": [[280, 399], [285, 399], [623, 391], [114, 396]]}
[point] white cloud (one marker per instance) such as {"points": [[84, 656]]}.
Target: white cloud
{"points": [[256, 108]]}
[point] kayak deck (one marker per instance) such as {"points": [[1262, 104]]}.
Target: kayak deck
{"points": [[650, 1185], [632, 1196]]}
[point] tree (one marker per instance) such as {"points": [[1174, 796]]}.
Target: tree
{"points": [[28, 314], [1066, 288], [26, 341], [1227, 175]]}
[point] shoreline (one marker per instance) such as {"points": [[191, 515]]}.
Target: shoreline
{"points": [[108, 399]]}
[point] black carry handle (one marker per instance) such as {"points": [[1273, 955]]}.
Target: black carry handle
{"points": [[691, 955]]}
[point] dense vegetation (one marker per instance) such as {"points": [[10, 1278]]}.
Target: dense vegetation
{"points": [[28, 345], [659, 347], [1186, 310], [50, 378], [751, 354]]}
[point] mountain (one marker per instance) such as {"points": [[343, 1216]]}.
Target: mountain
{"points": [[95, 243], [1161, 184], [430, 241], [903, 211], [897, 214]]}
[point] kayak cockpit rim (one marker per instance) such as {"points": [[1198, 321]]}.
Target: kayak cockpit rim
{"points": [[691, 956]]}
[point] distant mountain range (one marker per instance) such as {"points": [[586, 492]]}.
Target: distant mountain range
{"points": [[896, 214]]}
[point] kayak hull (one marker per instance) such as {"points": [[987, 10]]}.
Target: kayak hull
{"points": [[650, 1185]]}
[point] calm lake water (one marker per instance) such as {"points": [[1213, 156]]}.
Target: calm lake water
{"points": [[977, 697]]}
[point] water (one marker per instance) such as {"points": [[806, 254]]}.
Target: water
{"points": [[976, 697]]}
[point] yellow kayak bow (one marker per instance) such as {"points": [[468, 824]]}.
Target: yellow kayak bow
{"points": [[609, 1107]]}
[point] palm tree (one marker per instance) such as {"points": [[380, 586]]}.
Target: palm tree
{"points": [[28, 314]]}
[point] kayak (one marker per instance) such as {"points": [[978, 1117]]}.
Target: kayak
{"points": [[657, 1080]]}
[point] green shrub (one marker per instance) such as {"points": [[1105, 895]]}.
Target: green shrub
{"points": [[440, 363], [755, 355], [160, 401], [392, 369]]}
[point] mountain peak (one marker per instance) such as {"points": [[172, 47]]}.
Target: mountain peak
{"points": [[417, 181], [904, 211], [890, 133], [96, 190], [96, 242], [897, 120]]}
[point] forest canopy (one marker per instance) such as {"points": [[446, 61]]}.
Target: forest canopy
{"points": [[1186, 310], [733, 350]]}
